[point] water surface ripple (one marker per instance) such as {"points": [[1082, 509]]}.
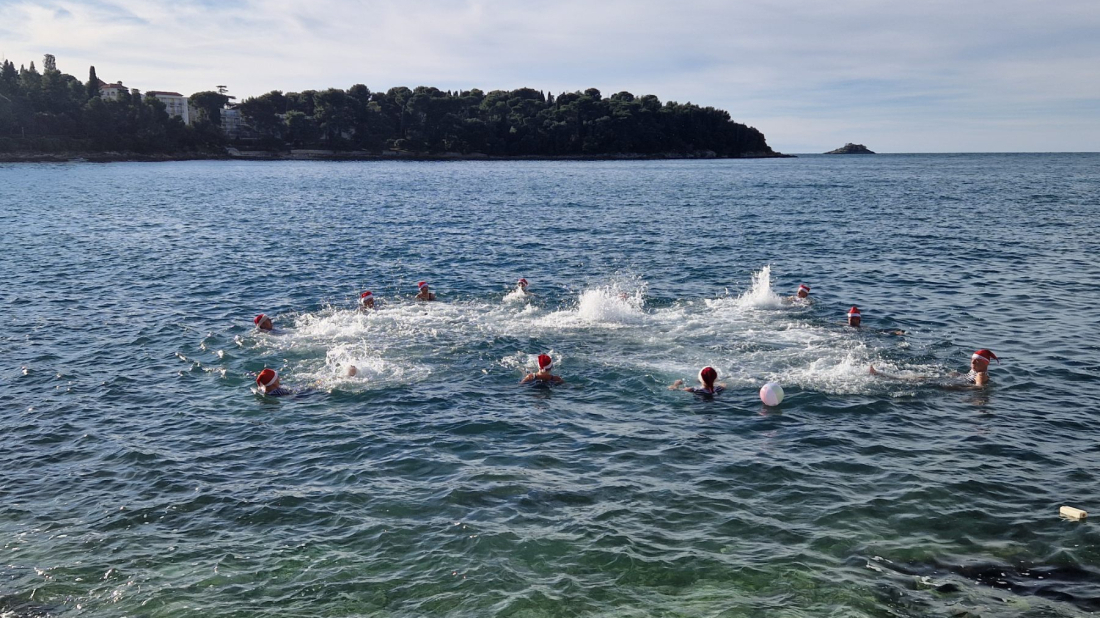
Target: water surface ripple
{"points": [[142, 477]]}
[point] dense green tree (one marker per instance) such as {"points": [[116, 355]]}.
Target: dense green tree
{"points": [[265, 115], [54, 110], [209, 104], [301, 129], [332, 114], [93, 83]]}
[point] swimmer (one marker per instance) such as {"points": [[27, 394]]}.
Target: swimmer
{"points": [[521, 287], [366, 301], [855, 318], [263, 322], [801, 296], [707, 376], [979, 367], [543, 374], [268, 383], [425, 293], [978, 374]]}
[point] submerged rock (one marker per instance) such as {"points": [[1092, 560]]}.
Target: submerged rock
{"points": [[851, 148]]}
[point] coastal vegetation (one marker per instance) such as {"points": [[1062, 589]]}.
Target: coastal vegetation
{"points": [[54, 112], [502, 123]]}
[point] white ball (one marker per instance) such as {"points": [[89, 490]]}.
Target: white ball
{"points": [[771, 394]]}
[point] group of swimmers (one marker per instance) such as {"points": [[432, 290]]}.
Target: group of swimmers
{"points": [[268, 380], [979, 360]]}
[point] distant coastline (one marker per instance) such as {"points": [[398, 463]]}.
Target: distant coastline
{"points": [[54, 116], [118, 157]]}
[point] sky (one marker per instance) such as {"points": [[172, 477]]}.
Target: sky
{"points": [[920, 76]]}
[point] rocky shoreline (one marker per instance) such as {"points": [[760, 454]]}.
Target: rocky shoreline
{"points": [[330, 155]]}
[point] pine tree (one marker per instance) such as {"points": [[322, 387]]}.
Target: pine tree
{"points": [[8, 75], [93, 84]]}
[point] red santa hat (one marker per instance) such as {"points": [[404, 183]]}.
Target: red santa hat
{"points": [[853, 312], [707, 375], [803, 286], [260, 320], [545, 362], [365, 295], [421, 285], [266, 378], [522, 282], [984, 354]]}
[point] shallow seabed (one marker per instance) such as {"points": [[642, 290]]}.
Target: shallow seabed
{"points": [[141, 476]]}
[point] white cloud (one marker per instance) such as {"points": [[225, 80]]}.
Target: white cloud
{"points": [[981, 75]]}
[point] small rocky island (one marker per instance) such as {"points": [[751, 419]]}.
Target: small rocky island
{"points": [[851, 148]]}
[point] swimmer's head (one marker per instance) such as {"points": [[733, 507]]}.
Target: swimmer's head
{"points": [[366, 300], [263, 322], [545, 362], [423, 286], [803, 291], [268, 380], [707, 376], [854, 316], [979, 361], [522, 284], [350, 371]]}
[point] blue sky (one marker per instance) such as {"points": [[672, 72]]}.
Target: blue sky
{"points": [[935, 76]]}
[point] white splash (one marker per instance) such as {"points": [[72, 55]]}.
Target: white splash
{"points": [[760, 295], [750, 339], [613, 305], [516, 296]]}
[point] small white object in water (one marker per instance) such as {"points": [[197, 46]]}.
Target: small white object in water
{"points": [[771, 394], [1072, 513], [351, 370]]}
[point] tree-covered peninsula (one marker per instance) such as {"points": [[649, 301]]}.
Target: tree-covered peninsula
{"points": [[55, 112]]}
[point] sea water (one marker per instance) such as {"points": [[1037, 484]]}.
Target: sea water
{"points": [[140, 474]]}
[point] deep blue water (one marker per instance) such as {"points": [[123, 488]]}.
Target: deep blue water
{"points": [[140, 475]]}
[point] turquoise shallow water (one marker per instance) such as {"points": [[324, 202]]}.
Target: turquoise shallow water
{"points": [[140, 476]]}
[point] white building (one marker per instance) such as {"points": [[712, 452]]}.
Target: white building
{"points": [[110, 92], [174, 103]]}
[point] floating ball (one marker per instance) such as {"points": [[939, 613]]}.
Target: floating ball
{"points": [[771, 394]]}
